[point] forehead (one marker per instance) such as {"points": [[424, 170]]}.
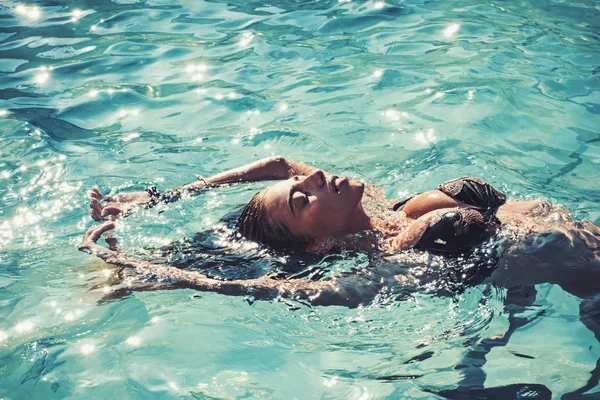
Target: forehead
{"points": [[277, 195], [276, 200]]}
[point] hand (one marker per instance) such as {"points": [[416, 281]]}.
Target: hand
{"points": [[115, 206], [90, 240]]}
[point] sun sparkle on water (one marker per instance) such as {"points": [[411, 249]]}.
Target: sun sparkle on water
{"points": [[87, 349], [29, 12], [451, 30]]}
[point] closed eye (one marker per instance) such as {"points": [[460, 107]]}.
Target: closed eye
{"points": [[302, 196], [305, 198], [299, 200], [293, 201]]}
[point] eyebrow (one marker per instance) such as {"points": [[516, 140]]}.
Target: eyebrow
{"points": [[291, 198]]}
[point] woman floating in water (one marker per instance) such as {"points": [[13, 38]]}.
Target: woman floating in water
{"points": [[313, 211]]}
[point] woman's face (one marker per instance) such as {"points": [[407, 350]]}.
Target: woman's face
{"points": [[318, 206]]}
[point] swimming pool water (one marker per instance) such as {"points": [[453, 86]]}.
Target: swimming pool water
{"points": [[403, 94]]}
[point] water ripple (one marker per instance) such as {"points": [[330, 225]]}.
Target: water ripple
{"points": [[122, 95]]}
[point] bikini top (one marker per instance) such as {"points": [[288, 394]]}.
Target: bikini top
{"points": [[462, 228]]}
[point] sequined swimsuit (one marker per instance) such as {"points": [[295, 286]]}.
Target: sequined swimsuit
{"points": [[464, 227]]}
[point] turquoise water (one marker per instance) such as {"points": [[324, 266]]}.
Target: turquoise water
{"points": [[406, 95]]}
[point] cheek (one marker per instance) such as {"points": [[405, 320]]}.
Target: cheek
{"points": [[326, 218]]}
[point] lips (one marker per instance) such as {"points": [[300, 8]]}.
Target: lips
{"points": [[337, 183], [333, 185]]}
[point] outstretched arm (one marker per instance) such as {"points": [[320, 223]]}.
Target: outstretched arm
{"points": [[270, 168], [266, 169], [317, 292]]}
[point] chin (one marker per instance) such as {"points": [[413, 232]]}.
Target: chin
{"points": [[355, 183], [357, 187]]}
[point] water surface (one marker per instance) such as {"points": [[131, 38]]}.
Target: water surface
{"points": [[125, 94]]}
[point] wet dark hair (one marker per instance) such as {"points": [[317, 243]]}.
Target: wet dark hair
{"points": [[255, 224]]}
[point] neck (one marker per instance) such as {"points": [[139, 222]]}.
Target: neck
{"points": [[391, 226]]}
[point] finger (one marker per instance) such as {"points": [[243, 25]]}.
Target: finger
{"points": [[88, 234], [111, 211], [97, 250], [95, 205], [95, 216], [95, 210], [94, 234], [95, 194], [111, 240]]}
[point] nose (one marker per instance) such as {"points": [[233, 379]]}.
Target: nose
{"points": [[317, 178]]}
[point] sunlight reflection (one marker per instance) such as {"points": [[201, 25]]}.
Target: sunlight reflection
{"points": [[330, 382], [283, 107], [246, 38], [133, 341], [451, 29], [379, 5], [24, 217], [75, 15], [24, 326], [191, 68], [470, 94], [131, 136], [122, 113], [93, 93], [3, 336], [87, 349], [29, 12], [426, 137], [26, 222], [42, 78], [392, 114], [396, 115], [3, 113], [377, 73], [196, 71]]}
